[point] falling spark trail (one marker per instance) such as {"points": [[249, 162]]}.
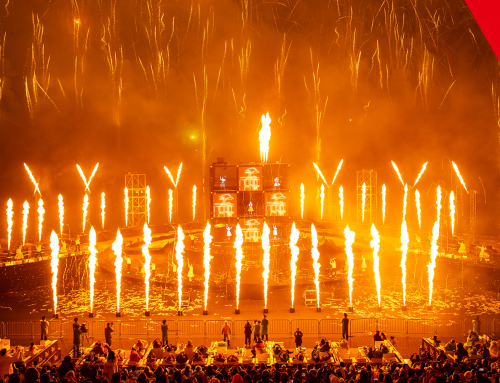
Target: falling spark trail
{"points": [[37, 189], [302, 198], [319, 173], [41, 211], [397, 171], [434, 247], [363, 201], [10, 215], [26, 210], [420, 174], [384, 190], [117, 249], [148, 202], [417, 202], [459, 175], [404, 249], [54, 264], [349, 240], [315, 257], [341, 202], [266, 259], [85, 209], [452, 212], [92, 263], [170, 204], [194, 203], [147, 261], [238, 242], [338, 170], [375, 245], [179, 249], [61, 213], [126, 206], [294, 238], [207, 257], [322, 196], [103, 207], [264, 137]]}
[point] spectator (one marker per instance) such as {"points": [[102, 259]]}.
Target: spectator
{"points": [[248, 333], [451, 346], [298, 338], [494, 349], [392, 340], [476, 325], [256, 331], [76, 338], [226, 331], [461, 352], [345, 327], [383, 336], [265, 324], [377, 337], [108, 331], [164, 332], [110, 367], [134, 355], [6, 360], [44, 328], [259, 345], [66, 366]]}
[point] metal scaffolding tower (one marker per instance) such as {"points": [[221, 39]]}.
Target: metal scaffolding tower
{"points": [[369, 178], [137, 204], [473, 194]]}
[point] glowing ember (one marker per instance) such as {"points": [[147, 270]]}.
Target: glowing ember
{"points": [[375, 245], [61, 212], [452, 212], [264, 137], [148, 202], [420, 174], [126, 206], [341, 201], [417, 202], [92, 263], [194, 202], [54, 264], [266, 258], [434, 247], [172, 178], [383, 202], [338, 170], [179, 249], [26, 210], [103, 207], [363, 201], [349, 240], [315, 257], [397, 171], [238, 242], [170, 204], [404, 249], [85, 210], [147, 261], [10, 215], [459, 175], [117, 249], [37, 189], [207, 257], [302, 198], [294, 238], [322, 196], [87, 183], [319, 173], [41, 212]]}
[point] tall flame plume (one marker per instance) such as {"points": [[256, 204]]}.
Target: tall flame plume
{"points": [[41, 212], [148, 202], [405, 239], [171, 177], [179, 250], [85, 210], [294, 238], [315, 257], [384, 191], [397, 171], [170, 204], [319, 173], [92, 263], [452, 212], [10, 222], [54, 266], [434, 247], [338, 170], [363, 201], [375, 245], [61, 213], [147, 261], [207, 257], [117, 249], [37, 189], [264, 137], [238, 242], [302, 198], [126, 205], [26, 210], [341, 202], [266, 259], [322, 196], [103, 208], [349, 240], [417, 202], [405, 201], [420, 174], [194, 202], [459, 175]]}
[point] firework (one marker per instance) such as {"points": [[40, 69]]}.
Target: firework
{"points": [[54, 263], [194, 203], [92, 263], [322, 196], [315, 257], [148, 202], [363, 201], [103, 207], [420, 174], [319, 173], [459, 175], [375, 245], [61, 212], [126, 205], [294, 238], [341, 201], [434, 247], [85, 210], [397, 171], [452, 212], [404, 249], [117, 249], [417, 202], [147, 261], [41, 212], [26, 210], [207, 239], [302, 198], [238, 242], [349, 240], [179, 249], [170, 204], [10, 214], [266, 259], [264, 137], [338, 170], [383, 202], [37, 189]]}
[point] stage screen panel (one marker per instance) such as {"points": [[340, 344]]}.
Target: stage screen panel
{"points": [[225, 205], [224, 178], [275, 177], [250, 204], [252, 229], [276, 204], [250, 178]]}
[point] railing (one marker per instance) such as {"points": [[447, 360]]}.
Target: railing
{"points": [[277, 327]]}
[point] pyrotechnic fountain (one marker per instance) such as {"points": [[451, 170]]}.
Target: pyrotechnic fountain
{"points": [[147, 264], [61, 213], [148, 203], [41, 212], [341, 202], [170, 204], [126, 205], [322, 197], [117, 249], [434, 247], [179, 250], [85, 210], [363, 201], [194, 203], [349, 240], [10, 214], [302, 198], [452, 212], [383, 203], [238, 242], [103, 208], [316, 265], [26, 210], [264, 137], [207, 257], [294, 249], [375, 245], [417, 202], [266, 260], [92, 263], [54, 263]]}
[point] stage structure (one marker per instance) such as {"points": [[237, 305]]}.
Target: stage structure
{"points": [[369, 178], [472, 229], [137, 210]]}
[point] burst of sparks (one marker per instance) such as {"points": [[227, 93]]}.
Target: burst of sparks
{"points": [[384, 191], [397, 171], [85, 210], [319, 173], [420, 174], [404, 249], [459, 175], [341, 202], [238, 242], [452, 212], [338, 170], [294, 238], [103, 207], [41, 212], [349, 240], [434, 246], [322, 196], [147, 261], [126, 205], [417, 202], [87, 183], [194, 203], [26, 210], [148, 202], [264, 137], [54, 263], [117, 249], [315, 257], [375, 245], [171, 177], [266, 259], [92, 263], [61, 212], [37, 189], [363, 201], [179, 249], [207, 257], [10, 215], [170, 204], [302, 198]]}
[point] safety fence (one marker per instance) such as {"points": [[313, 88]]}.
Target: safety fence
{"points": [[277, 327]]}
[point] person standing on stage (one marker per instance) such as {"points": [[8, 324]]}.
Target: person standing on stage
{"points": [[265, 324], [298, 338], [164, 332], [226, 331], [108, 333], [345, 327], [248, 334], [256, 331], [76, 338], [44, 327]]}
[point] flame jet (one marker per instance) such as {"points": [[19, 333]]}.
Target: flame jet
{"points": [[417, 202], [434, 246], [92, 263], [349, 240], [117, 249], [85, 210], [10, 215], [315, 257], [238, 242], [61, 212], [148, 202], [397, 171], [147, 261], [179, 250], [207, 257], [363, 201], [266, 259], [459, 176], [41, 212], [375, 245], [26, 210], [37, 189], [170, 204], [54, 265], [264, 137], [126, 205], [383, 202], [294, 238]]}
